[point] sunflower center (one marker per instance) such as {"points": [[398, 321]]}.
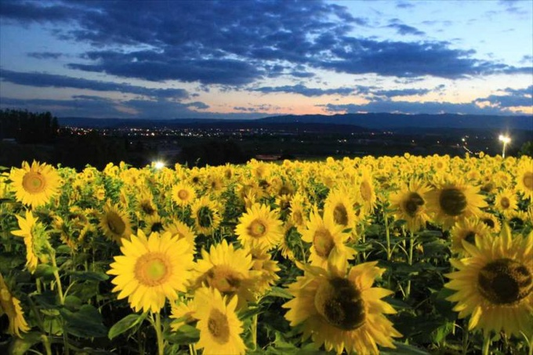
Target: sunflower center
{"points": [[413, 203], [152, 269], [224, 279], [257, 228], [489, 222], [340, 303], [505, 202], [366, 190], [340, 214], [218, 326], [298, 217], [147, 208], [470, 237], [183, 194], [323, 242], [505, 281], [452, 201], [33, 182], [205, 217], [528, 180], [115, 223], [156, 227]]}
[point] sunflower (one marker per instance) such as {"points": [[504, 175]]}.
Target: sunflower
{"points": [[367, 193], [218, 323], [10, 306], [299, 212], [206, 216], [339, 204], [524, 178], [228, 270], [115, 224], [409, 204], [452, 201], [259, 227], [506, 202], [494, 283], [151, 269], [328, 242], [182, 231], [491, 221], [183, 194], [265, 269], [152, 223], [35, 185], [467, 229], [35, 239], [145, 202], [342, 312], [182, 312]]}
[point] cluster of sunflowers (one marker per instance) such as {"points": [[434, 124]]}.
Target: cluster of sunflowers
{"points": [[352, 255]]}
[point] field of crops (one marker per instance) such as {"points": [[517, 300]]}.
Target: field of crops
{"points": [[391, 255]]}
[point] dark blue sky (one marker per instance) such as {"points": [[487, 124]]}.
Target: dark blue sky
{"points": [[246, 59]]}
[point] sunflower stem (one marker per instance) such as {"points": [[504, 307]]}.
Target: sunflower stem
{"points": [[192, 349], [410, 262], [387, 233], [254, 331], [159, 333], [486, 344]]}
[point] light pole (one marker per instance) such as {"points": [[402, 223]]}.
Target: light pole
{"points": [[505, 140]]}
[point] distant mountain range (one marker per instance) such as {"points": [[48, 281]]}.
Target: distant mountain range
{"points": [[357, 121]]}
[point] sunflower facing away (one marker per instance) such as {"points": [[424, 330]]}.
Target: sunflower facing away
{"points": [[494, 283], [259, 227], [151, 269], [115, 223], [10, 306], [35, 239], [409, 204], [342, 312], [220, 328], [452, 201], [35, 185]]}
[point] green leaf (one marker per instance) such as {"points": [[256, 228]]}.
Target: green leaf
{"points": [[280, 292], [63, 249], [126, 323], [402, 349], [88, 275], [85, 323], [47, 300], [73, 303], [45, 271], [19, 346], [439, 334], [186, 334]]}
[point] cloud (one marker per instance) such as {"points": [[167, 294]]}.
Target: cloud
{"points": [[305, 91], [401, 92], [511, 98], [62, 81], [403, 29], [210, 42], [45, 55]]}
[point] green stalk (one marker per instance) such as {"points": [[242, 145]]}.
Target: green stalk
{"points": [[61, 301], [192, 349], [486, 344], [387, 233], [159, 333], [410, 262], [254, 331]]}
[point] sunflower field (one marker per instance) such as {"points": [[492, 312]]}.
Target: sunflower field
{"points": [[390, 255]]}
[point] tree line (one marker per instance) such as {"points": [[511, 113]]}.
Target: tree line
{"points": [[28, 127]]}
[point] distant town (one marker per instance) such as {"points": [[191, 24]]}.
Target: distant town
{"points": [[200, 143]]}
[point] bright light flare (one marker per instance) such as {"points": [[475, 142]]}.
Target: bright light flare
{"points": [[505, 139], [158, 164]]}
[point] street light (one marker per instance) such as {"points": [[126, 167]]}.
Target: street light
{"points": [[505, 140], [158, 164]]}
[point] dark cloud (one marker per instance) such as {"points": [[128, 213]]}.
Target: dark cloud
{"points": [[45, 55], [401, 92], [62, 81], [211, 42], [403, 29], [511, 98], [405, 5], [305, 91]]}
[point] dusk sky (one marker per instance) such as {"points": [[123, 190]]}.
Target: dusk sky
{"points": [[251, 59]]}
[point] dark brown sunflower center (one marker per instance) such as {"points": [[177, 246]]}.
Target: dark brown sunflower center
{"points": [[452, 201], [340, 214], [218, 326], [224, 279], [505, 281], [152, 269], [413, 203], [470, 237], [528, 180], [115, 223], [489, 222], [156, 227], [33, 182], [147, 208], [257, 228], [323, 242], [505, 203], [205, 217], [366, 190], [340, 303]]}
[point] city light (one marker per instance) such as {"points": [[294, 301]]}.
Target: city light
{"points": [[158, 164], [505, 140]]}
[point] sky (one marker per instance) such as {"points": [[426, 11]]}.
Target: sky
{"points": [[256, 58]]}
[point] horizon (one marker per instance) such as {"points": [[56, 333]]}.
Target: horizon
{"points": [[258, 59]]}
